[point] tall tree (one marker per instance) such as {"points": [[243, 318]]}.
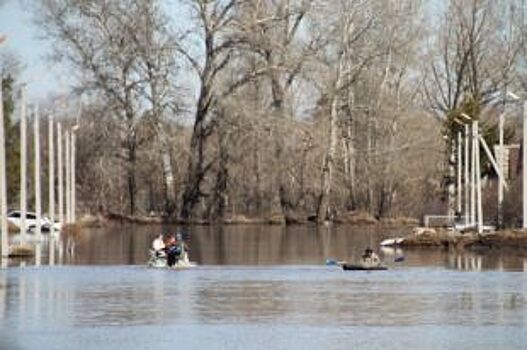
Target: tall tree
{"points": [[110, 44]]}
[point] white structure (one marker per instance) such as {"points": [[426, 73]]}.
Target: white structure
{"points": [[51, 170], [23, 166], [3, 182], [60, 169], [38, 203]]}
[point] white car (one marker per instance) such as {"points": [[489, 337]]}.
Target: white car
{"points": [[15, 217]]}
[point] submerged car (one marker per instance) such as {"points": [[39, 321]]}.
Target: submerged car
{"points": [[15, 217]]}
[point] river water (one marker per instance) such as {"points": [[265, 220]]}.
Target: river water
{"points": [[259, 287]]}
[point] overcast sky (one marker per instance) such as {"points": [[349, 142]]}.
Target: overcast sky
{"points": [[22, 39]]}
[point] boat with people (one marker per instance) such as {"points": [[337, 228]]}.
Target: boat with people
{"points": [[369, 261], [169, 251], [360, 267]]}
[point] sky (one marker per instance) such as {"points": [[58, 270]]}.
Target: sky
{"points": [[42, 77]]}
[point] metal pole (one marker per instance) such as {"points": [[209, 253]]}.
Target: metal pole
{"points": [[38, 205], [524, 164], [72, 181], [473, 177], [23, 167], [467, 187], [478, 179], [68, 168], [3, 183], [459, 170], [51, 163], [500, 165], [60, 168]]}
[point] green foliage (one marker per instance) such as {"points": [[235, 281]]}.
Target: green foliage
{"points": [[471, 107], [12, 140]]}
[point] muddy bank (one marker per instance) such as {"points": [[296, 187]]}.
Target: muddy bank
{"points": [[349, 218], [429, 237]]}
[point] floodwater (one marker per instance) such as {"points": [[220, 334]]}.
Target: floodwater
{"points": [[259, 287]]}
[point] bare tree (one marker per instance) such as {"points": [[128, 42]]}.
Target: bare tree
{"points": [[101, 40]]}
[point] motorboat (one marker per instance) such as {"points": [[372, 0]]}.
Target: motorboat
{"points": [[159, 260]]}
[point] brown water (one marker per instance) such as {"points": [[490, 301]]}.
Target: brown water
{"points": [[260, 287]]}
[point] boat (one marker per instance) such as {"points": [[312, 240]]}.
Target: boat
{"points": [[160, 261], [360, 267], [389, 242]]}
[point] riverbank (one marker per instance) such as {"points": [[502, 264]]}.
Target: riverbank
{"points": [[451, 239], [351, 218]]}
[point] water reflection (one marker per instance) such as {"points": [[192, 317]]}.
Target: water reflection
{"points": [[258, 245], [78, 305]]}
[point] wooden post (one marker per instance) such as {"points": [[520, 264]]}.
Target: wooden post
{"points": [[23, 166], [60, 168], [51, 163], [38, 204], [3, 183]]}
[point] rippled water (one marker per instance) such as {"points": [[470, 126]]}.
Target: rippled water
{"points": [[260, 288]]}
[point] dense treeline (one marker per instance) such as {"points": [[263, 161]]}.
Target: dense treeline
{"points": [[207, 109]]}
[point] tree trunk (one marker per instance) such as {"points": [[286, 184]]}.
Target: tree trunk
{"points": [[132, 186], [222, 176], [168, 176], [196, 171], [327, 168]]}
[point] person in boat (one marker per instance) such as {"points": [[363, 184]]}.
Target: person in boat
{"points": [[370, 258], [181, 246], [171, 249], [158, 245]]}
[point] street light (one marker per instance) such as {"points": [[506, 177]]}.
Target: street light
{"points": [[467, 119]]}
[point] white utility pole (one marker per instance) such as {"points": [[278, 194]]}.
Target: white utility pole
{"points": [[51, 163], [524, 165], [60, 168], [3, 182], [23, 166], [459, 171], [467, 187], [72, 180], [500, 165], [473, 177], [68, 172], [478, 182], [38, 205]]}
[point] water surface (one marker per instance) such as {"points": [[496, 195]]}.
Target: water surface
{"points": [[260, 288]]}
